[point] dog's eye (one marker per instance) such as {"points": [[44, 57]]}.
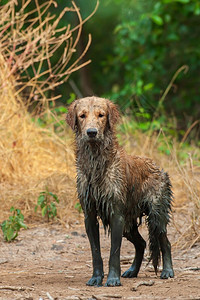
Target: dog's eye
{"points": [[101, 115], [82, 116]]}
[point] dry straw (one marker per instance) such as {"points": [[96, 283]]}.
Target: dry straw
{"points": [[31, 157]]}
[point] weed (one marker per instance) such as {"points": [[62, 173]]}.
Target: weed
{"points": [[47, 208], [12, 226], [78, 207]]}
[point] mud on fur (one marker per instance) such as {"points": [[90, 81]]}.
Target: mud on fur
{"points": [[119, 189]]}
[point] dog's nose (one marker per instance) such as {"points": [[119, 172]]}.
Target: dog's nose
{"points": [[92, 132]]}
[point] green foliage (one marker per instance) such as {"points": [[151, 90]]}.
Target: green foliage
{"points": [[12, 226], [153, 40], [78, 207], [143, 121], [48, 207], [145, 43]]}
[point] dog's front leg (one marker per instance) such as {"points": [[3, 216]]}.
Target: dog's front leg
{"points": [[92, 229], [117, 226]]}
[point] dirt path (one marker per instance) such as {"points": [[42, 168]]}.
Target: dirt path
{"points": [[50, 262]]}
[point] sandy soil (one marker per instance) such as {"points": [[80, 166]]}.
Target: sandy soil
{"points": [[51, 262]]}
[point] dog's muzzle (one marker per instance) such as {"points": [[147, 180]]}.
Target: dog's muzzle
{"points": [[92, 132]]}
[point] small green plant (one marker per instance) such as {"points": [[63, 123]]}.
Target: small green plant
{"points": [[78, 207], [48, 207], [12, 226]]}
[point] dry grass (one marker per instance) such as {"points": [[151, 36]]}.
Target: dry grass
{"points": [[32, 158]]}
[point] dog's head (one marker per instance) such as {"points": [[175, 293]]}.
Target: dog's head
{"points": [[91, 117]]}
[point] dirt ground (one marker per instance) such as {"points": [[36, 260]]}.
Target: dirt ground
{"points": [[49, 261]]}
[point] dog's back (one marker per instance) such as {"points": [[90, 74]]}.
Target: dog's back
{"points": [[149, 193], [148, 187]]}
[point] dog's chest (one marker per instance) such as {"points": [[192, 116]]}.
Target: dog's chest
{"points": [[99, 195], [100, 183]]}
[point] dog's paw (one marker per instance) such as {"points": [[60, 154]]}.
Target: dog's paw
{"points": [[95, 281], [113, 282], [166, 273], [130, 273]]}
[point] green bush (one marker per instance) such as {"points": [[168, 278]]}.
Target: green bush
{"points": [[48, 207], [152, 41], [146, 42], [12, 226]]}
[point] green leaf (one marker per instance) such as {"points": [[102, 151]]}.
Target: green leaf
{"points": [[23, 225], [157, 20], [71, 99], [62, 109], [44, 211], [78, 207], [9, 234], [167, 151], [54, 196], [18, 211], [3, 225], [41, 199], [183, 1], [12, 209], [197, 9], [148, 86]]}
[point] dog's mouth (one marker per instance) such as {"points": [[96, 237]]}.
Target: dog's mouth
{"points": [[92, 138]]}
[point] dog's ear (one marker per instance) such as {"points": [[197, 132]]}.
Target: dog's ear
{"points": [[113, 114], [71, 117]]}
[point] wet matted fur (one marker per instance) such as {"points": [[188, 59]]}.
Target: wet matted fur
{"points": [[120, 189]]}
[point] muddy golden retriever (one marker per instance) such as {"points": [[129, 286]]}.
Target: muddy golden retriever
{"points": [[120, 189]]}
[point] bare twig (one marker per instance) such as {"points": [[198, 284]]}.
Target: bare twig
{"points": [[112, 296], [184, 69], [15, 288], [49, 296], [28, 44], [147, 283], [188, 131]]}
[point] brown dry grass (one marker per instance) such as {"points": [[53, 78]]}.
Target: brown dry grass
{"points": [[31, 158]]}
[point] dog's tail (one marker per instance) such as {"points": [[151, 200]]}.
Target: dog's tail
{"points": [[159, 211], [154, 245]]}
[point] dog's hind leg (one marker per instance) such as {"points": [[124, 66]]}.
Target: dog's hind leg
{"points": [[92, 229], [157, 220], [134, 237], [166, 256], [117, 227]]}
